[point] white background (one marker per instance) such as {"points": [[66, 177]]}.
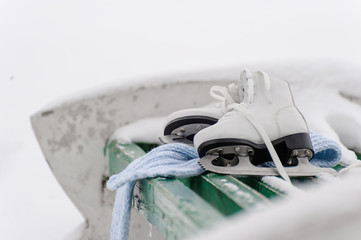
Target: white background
{"points": [[49, 49]]}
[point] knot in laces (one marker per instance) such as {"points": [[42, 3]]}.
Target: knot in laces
{"points": [[235, 93], [226, 95]]}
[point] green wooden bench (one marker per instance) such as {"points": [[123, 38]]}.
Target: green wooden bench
{"points": [[181, 207]]}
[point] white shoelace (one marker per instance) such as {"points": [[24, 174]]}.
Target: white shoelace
{"points": [[223, 95], [228, 103]]}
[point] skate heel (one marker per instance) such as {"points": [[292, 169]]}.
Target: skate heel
{"points": [[298, 141], [295, 145]]}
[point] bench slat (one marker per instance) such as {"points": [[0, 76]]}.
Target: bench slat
{"points": [[227, 194], [174, 208], [263, 188]]}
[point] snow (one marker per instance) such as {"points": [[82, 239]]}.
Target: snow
{"points": [[280, 184], [331, 115], [49, 49], [326, 177], [145, 130], [329, 211]]}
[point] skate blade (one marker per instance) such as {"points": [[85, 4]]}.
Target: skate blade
{"points": [[175, 139], [246, 168]]}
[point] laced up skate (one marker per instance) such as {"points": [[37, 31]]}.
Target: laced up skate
{"points": [[265, 128], [181, 126]]}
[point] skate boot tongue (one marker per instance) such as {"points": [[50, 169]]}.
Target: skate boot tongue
{"points": [[248, 82]]}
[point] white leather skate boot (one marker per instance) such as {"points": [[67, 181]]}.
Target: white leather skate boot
{"points": [[181, 126], [265, 127]]}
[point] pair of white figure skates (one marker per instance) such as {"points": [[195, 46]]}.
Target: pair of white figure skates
{"points": [[254, 122]]}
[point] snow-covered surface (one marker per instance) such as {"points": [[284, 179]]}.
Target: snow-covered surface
{"points": [[331, 115], [280, 184], [146, 130], [330, 211], [49, 49]]}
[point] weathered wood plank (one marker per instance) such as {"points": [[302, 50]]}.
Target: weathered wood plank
{"points": [[175, 209]]}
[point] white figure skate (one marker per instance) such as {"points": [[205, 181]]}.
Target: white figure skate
{"points": [[181, 126], [266, 126]]}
